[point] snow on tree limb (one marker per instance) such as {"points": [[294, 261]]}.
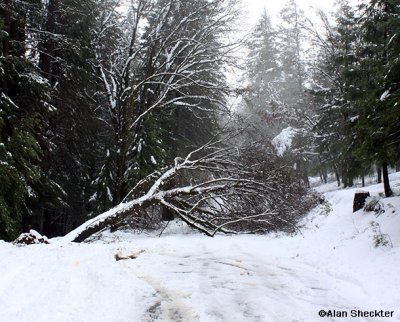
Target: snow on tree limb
{"points": [[224, 199]]}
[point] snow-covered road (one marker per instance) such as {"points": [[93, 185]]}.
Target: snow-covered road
{"points": [[188, 278], [241, 282], [332, 265]]}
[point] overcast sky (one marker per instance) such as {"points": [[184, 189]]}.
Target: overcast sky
{"points": [[255, 7]]}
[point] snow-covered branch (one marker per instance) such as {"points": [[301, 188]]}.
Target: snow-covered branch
{"points": [[220, 196]]}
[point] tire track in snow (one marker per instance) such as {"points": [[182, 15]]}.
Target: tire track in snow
{"points": [[283, 289], [79, 287], [167, 306], [8, 279], [303, 284]]}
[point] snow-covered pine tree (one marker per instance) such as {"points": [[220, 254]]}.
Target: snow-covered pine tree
{"points": [[336, 87], [264, 108], [291, 51], [24, 111], [379, 101], [61, 48], [299, 109]]}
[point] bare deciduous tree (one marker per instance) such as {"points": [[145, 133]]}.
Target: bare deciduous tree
{"points": [[233, 189], [167, 54]]}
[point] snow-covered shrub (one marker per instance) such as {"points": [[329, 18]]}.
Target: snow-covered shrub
{"points": [[374, 204], [326, 207], [379, 238], [33, 237]]}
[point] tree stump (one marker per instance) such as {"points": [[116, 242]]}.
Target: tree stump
{"points": [[359, 200]]}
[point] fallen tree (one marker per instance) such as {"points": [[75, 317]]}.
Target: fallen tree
{"points": [[217, 188]]}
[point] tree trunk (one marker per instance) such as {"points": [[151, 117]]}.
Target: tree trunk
{"points": [[7, 22], [15, 26], [337, 176], [379, 173], [350, 181], [398, 166], [47, 51], [345, 179], [306, 179], [325, 175], [111, 221], [363, 181], [322, 172], [386, 184], [121, 165]]}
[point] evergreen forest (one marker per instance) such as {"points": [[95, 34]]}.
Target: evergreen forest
{"points": [[106, 103]]}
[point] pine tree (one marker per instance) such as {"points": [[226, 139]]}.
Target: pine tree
{"points": [[264, 103], [61, 48], [291, 49], [337, 88], [24, 109], [299, 107], [378, 105]]}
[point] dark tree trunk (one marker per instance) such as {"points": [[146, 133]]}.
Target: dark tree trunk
{"points": [[350, 181], [303, 174], [6, 41], [325, 175], [46, 58], [398, 166], [379, 173], [363, 181], [337, 176], [14, 25], [7, 22], [322, 172], [344, 181], [386, 184], [122, 143], [306, 179]]}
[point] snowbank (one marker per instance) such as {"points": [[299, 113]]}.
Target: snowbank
{"points": [[332, 265]]}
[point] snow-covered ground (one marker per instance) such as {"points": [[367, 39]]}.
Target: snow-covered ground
{"points": [[332, 265]]}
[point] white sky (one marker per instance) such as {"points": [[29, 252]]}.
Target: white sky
{"points": [[252, 10], [256, 7]]}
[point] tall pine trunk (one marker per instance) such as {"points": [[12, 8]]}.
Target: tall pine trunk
{"points": [[379, 173], [46, 58], [398, 166], [386, 184], [337, 175]]}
